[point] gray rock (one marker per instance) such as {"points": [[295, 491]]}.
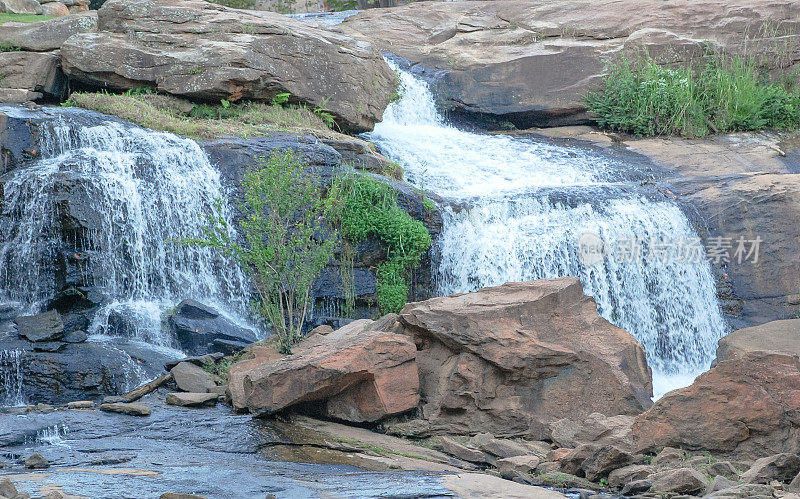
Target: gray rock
{"points": [[198, 360], [7, 489], [32, 72], [48, 346], [129, 409], [679, 481], [669, 456], [604, 461], [498, 446], [744, 491], [723, 468], [517, 464], [185, 399], [75, 337], [631, 473], [20, 6], [47, 35], [636, 487], [780, 467], [572, 463], [719, 483], [463, 452], [176, 495], [37, 462], [42, 327], [81, 404], [201, 50], [191, 378]]}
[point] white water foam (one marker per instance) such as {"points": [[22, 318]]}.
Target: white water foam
{"points": [[526, 204]]}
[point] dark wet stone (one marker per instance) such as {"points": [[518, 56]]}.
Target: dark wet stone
{"points": [[36, 462], [230, 347], [197, 327], [75, 337], [49, 346], [42, 327]]}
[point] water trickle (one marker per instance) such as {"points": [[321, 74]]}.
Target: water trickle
{"points": [[11, 378], [525, 205], [121, 195]]}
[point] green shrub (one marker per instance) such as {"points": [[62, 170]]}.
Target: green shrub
{"points": [[369, 209], [286, 241], [9, 47], [721, 95]]}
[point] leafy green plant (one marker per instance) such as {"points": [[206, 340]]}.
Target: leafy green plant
{"points": [[286, 240], [368, 208], [720, 95], [9, 47], [235, 4], [281, 98]]}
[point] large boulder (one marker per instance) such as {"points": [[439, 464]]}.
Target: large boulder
{"points": [[512, 359], [200, 329], [356, 373], [47, 35], [20, 6], [30, 76], [531, 62], [778, 336], [209, 52], [747, 407]]}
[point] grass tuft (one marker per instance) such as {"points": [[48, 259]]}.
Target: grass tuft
{"points": [[721, 95], [202, 121], [22, 18]]}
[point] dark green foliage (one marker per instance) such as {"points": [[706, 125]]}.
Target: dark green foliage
{"points": [[286, 241], [721, 95], [369, 209], [235, 4], [9, 47]]}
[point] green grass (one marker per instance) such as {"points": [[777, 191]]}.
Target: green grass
{"points": [[203, 121], [721, 95], [22, 18]]}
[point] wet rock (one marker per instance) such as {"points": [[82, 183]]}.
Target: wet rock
{"points": [[43, 327], [679, 481], [361, 375], [146, 388], [231, 54], [531, 351], [75, 337], [198, 360], [48, 346], [36, 462], [463, 452], [124, 408], [175, 495], [780, 467], [745, 407], [185, 399], [197, 327], [9, 491], [191, 378], [634, 472], [604, 461], [80, 404], [114, 399]]}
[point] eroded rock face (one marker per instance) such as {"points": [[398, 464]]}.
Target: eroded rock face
{"points": [[512, 359], [777, 336], [205, 51], [201, 330], [30, 76], [44, 36], [746, 407], [357, 373], [531, 62]]}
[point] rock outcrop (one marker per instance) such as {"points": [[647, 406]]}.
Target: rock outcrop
{"points": [[777, 336], [746, 407], [201, 330], [356, 373], [531, 62], [49, 35], [512, 359], [209, 52]]}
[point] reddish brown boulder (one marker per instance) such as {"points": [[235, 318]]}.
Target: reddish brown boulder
{"points": [[359, 373], [748, 407], [510, 360]]}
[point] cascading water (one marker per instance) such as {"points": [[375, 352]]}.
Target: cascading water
{"points": [[124, 195], [11, 378], [526, 204]]}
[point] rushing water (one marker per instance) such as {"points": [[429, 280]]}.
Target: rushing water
{"points": [[527, 207], [130, 194], [11, 378]]}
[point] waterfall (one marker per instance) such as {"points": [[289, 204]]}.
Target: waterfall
{"points": [[522, 209], [121, 195], [11, 378]]}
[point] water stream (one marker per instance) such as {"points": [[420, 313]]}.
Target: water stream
{"points": [[525, 209]]}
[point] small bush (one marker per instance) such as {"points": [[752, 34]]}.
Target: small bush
{"points": [[9, 47], [369, 209], [722, 95]]}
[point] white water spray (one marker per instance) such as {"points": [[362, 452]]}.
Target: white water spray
{"points": [[526, 205]]}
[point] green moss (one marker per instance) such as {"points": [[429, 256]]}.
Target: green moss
{"points": [[369, 209], [720, 95], [22, 18], [9, 47]]}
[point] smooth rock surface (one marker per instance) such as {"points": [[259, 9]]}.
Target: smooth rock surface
{"points": [[191, 378], [125, 408], [185, 399], [778, 336], [745, 407], [361, 374], [197, 327], [512, 359], [205, 51], [45, 36]]}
